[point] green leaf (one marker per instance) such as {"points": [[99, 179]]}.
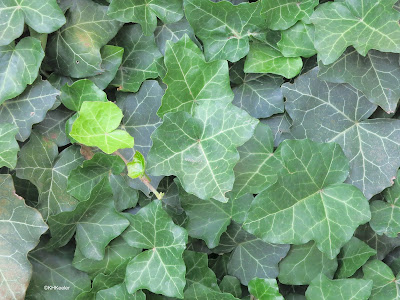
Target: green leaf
{"points": [[21, 229], [54, 268], [282, 14], [201, 150], [95, 222], [48, 170], [353, 255], [119, 292], [198, 291], [392, 260], [230, 284], [280, 125], [100, 282], [197, 270], [385, 283], [298, 41], [323, 288], [42, 16], [139, 60], [160, 269], [136, 166], [339, 24], [96, 126], [72, 96], [74, 50], [19, 66], [376, 75], [303, 263], [310, 182], [326, 112], [124, 196], [145, 12], [265, 289], [258, 165], [207, 83], [8, 145], [235, 23]]}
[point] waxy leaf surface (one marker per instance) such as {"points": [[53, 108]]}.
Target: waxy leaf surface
{"points": [[8, 145]]}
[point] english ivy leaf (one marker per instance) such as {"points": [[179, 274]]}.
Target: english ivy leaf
{"points": [[339, 24], [136, 166], [42, 16], [385, 283], [21, 229], [100, 282], [323, 288], [48, 170], [376, 75], [119, 292], [72, 96], [264, 289], [258, 165], [145, 12], [207, 83], [392, 260], [8, 145], [353, 255], [230, 284], [201, 150], [97, 125], [197, 270], [303, 263], [19, 66], [327, 112], [160, 269], [28, 108], [198, 291], [54, 268], [282, 14], [139, 60], [298, 40], [124, 196], [235, 23], [95, 221], [74, 50], [311, 180]]}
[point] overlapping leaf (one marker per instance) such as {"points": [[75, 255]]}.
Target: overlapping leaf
{"points": [[265, 289], [8, 145], [298, 40]]}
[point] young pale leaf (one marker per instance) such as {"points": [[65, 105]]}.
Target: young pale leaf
{"points": [[326, 112], [145, 12], [377, 75], [136, 166], [341, 289], [96, 126], [21, 229], [8, 145], [264, 289], [364, 24], [309, 200], [95, 221], [206, 83], [235, 23], [160, 269], [298, 41], [19, 66], [201, 150]]}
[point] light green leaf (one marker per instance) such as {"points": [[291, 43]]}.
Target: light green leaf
{"points": [[201, 150], [95, 221], [139, 60], [198, 291], [282, 14], [145, 12], [21, 228], [136, 166], [44, 16], [309, 200], [298, 41], [376, 75], [72, 96], [48, 170], [341, 289], [197, 270], [225, 29], [160, 269], [303, 263], [119, 292], [230, 284], [264, 289], [8, 145], [326, 112], [385, 284], [74, 50], [19, 66], [207, 83], [364, 24], [96, 126], [353, 255]]}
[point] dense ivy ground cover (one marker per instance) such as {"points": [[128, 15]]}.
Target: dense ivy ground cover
{"points": [[197, 149]]}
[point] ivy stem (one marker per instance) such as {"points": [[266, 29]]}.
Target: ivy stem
{"points": [[252, 297]]}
